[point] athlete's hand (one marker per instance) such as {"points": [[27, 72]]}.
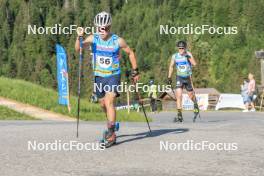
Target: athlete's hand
{"points": [[169, 81], [80, 31], [135, 78], [135, 75]]}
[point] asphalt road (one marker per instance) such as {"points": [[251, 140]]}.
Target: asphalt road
{"points": [[138, 153]]}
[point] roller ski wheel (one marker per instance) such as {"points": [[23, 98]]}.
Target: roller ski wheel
{"points": [[109, 139]]}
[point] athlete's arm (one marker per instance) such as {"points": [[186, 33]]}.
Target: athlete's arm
{"points": [[171, 66], [129, 52], [86, 42], [131, 55], [191, 59]]}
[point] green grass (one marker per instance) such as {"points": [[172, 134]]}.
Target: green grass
{"points": [[45, 98], [8, 114]]}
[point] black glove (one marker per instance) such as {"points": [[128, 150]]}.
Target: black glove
{"points": [[169, 81], [134, 72]]}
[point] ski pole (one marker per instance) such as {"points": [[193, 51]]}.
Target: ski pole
{"points": [[79, 84], [143, 108]]}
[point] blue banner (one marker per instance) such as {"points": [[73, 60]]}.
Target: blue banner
{"points": [[62, 75]]}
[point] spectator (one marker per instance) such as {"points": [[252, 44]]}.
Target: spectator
{"points": [[251, 91], [244, 93]]}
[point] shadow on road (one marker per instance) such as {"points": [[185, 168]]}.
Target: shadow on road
{"points": [[154, 133]]}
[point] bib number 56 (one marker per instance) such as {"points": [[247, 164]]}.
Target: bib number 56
{"points": [[182, 68], [104, 62]]}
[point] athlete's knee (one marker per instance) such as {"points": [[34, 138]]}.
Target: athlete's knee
{"points": [[109, 100], [109, 104]]}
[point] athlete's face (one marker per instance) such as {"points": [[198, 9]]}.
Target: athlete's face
{"points": [[181, 50], [104, 32]]}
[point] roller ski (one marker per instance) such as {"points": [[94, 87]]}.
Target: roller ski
{"points": [[179, 118], [109, 136], [196, 112]]}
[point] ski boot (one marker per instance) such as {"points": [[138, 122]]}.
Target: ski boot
{"points": [[179, 117], [109, 136], [196, 112]]}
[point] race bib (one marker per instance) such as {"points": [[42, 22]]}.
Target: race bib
{"points": [[182, 68], [104, 61]]}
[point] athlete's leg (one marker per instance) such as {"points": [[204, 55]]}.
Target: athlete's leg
{"points": [[110, 136], [189, 87], [100, 93], [192, 96], [155, 105], [109, 104], [109, 101], [179, 98], [105, 100], [179, 105], [113, 82], [179, 87]]}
